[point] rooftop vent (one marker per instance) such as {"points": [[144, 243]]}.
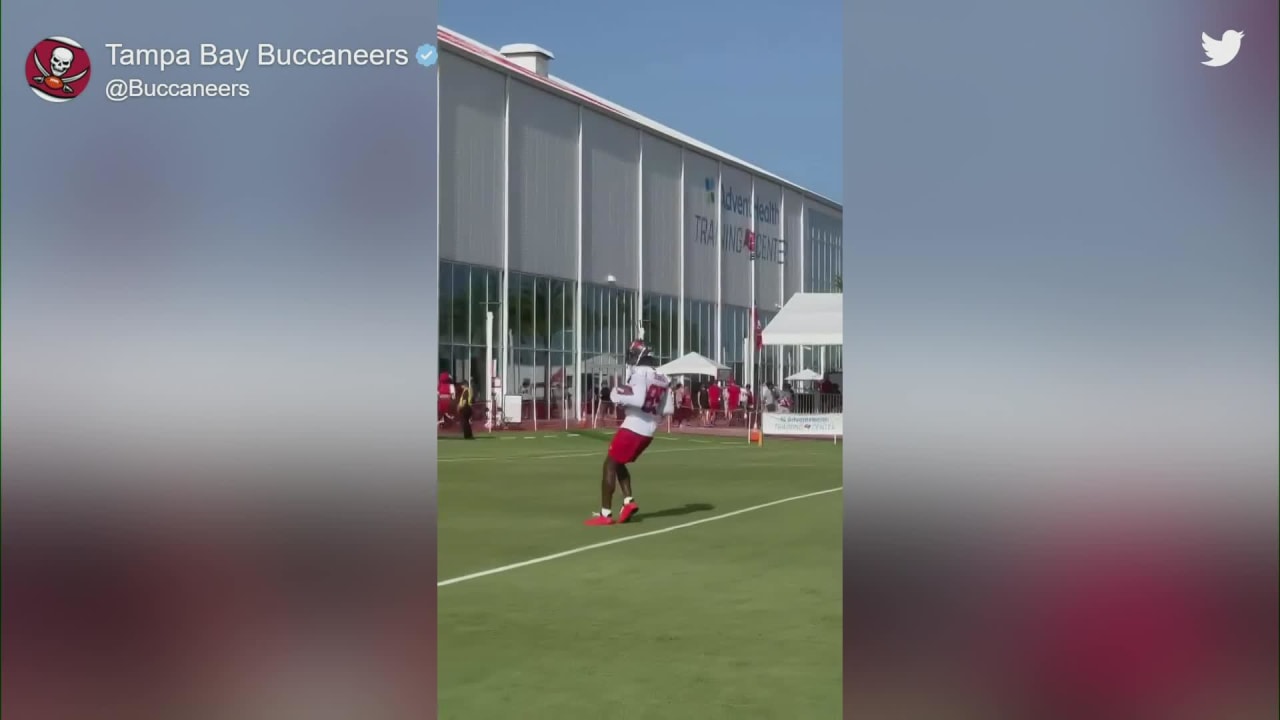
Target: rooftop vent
{"points": [[529, 56]]}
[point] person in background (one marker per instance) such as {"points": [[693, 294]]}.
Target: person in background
{"points": [[465, 409], [683, 405], [444, 399], [769, 397], [605, 407], [715, 401], [826, 389], [734, 393], [786, 399]]}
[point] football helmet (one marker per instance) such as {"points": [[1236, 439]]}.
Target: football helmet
{"points": [[641, 354]]}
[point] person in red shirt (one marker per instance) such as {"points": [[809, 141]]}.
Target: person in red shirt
{"points": [[684, 404], [735, 398], [714, 403], [444, 398]]}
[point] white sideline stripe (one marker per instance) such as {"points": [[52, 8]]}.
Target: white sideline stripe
{"points": [[522, 458], [607, 543]]}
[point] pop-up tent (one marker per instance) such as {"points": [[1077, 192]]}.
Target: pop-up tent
{"points": [[805, 375], [693, 364], [808, 319], [603, 364]]}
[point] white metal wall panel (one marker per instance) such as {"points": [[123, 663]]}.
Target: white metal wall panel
{"points": [[661, 228], [700, 234], [836, 260], [769, 254], [821, 236], [611, 186], [470, 192], [544, 183], [793, 270], [735, 219]]}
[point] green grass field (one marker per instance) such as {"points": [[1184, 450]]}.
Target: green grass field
{"points": [[731, 617]]}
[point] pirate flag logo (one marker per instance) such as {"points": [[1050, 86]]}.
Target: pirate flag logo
{"points": [[58, 69]]}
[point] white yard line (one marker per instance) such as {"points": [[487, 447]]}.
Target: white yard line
{"points": [[597, 453], [629, 538]]}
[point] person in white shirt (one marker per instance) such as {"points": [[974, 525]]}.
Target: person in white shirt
{"points": [[646, 398], [768, 401]]}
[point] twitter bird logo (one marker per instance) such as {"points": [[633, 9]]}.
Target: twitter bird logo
{"points": [[1222, 51]]}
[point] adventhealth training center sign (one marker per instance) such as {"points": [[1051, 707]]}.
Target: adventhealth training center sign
{"points": [[735, 233], [821, 425]]}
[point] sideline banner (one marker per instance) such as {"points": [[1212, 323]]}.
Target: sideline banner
{"points": [[824, 425]]}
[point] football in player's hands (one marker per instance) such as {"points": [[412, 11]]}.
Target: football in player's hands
{"points": [[624, 390]]}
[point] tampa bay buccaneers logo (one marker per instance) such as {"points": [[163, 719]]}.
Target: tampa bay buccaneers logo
{"points": [[58, 69]]}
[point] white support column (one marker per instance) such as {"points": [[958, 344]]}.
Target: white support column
{"points": [[778, 350], [578, 294], [639, 329], [754, 314], [684, 222], [505, 313], [802, 353], [718, 347], [804, 234]]}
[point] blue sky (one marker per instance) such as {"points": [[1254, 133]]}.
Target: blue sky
{"points": [[761, 81]]}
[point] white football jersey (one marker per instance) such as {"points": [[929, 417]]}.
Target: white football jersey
{"points": [[648, 402]]}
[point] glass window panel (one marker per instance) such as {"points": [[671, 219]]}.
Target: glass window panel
{"points": [[615, 322], [670, 325], [479, 294], [685, 346], [704, 329], [447, 304], [564, 322], [542, 311], [445, 359], [662, 323], [692, 341], [529, 310], [698, 327], [649, 320], [600, 320], [592, 323], [676, 311], [516, 292], [708, 332], [672, 311], [555, 316], [513, 309], [461, 303], [590, 320], [556, 376], [609, 328]]}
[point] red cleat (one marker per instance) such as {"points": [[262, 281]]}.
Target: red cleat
{"points": [[628, 511], [599, 520]]}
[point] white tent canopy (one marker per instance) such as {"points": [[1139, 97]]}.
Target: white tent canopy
{"points": [[808, 319], [806, 375], [692, 364], [602, 364]]}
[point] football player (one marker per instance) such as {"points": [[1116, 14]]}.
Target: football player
{"points": [[645, 398]]}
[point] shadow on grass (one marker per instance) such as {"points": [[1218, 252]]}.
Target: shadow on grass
{"points": [[478, 436], [686, 509]]}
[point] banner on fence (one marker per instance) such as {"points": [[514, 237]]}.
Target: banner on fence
{"points": [[823, 425]]}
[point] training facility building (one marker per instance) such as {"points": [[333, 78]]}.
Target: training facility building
{"points": [[580, 224]]}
